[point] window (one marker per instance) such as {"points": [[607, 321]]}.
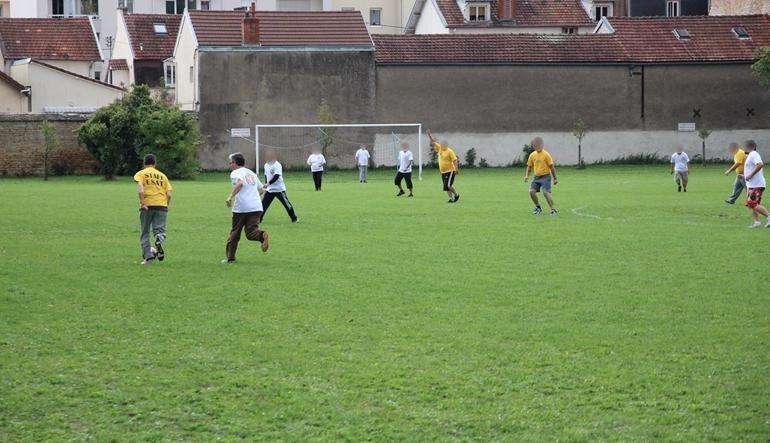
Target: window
{"points": [[192, 4], [89, 7], [477, 13], [602, 10], [672, 8], [741, 33], [160, 28], [682, 34], [128, 5], [175, 6], [170, 7], [569, 30], [205, 5], [169, 74], [57, 7], [375, 16], [98, 75]]}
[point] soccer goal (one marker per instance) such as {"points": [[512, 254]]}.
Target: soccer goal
{"points": [[339, 143]]}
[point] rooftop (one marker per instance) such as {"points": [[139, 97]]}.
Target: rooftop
{"points": [[48, 39]]}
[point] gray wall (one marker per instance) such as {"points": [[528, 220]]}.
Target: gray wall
{"points": [[241, 89]]}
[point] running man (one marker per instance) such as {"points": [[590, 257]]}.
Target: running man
{"points": [[448, 165], [154, 197], [405, 162], [739, 158], [362, 159], [541, 164], [680, 169], [316, 161], [247, 207], [275, 187], [755, 183]]}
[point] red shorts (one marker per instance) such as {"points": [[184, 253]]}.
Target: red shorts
{"points": [[755, 197]]}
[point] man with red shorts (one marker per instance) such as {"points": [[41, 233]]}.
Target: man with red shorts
{"points": [[755, 183]]}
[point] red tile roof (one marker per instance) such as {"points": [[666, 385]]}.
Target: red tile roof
{"points": [[495, 49], [528, 13], [651, 39], [147, 44], [282, 28], [82, 77], [48, 39], [636, 40], [7, 79], [118, 64]]}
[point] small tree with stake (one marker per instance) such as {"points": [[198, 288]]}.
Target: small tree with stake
{"points": [[703, 133], [325, 116], [579, 131]]}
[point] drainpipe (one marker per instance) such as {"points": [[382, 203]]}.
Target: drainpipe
{"points": [[632, 71]]}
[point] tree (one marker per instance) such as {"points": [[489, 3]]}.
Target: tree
{"points": [[579, 131], [761, 67], [174, 138], [703, 133], [470, 158], [325, 116], [50, 144]]}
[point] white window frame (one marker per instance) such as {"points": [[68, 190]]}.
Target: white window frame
{"points": [[478, 6], [673, 8], [569, 30], [608, 6], [169, 67], [208, 5], [379, 13]]}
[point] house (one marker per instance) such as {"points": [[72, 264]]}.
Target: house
{"points": [[667, 8], [70, 44], [499, 16], [597, 9], [259, 34], [142, 43], [53, 89], [739, 7], [14, 97]]}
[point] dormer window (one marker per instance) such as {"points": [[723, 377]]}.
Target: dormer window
{"points": [[160, 28], [741, 33], [682, 34], [478, 12]]}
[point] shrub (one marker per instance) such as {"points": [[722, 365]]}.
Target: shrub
{"points": [[483, 163], [527, 149], [64, 164], [433, 158], [173, 137], [470, 158]]}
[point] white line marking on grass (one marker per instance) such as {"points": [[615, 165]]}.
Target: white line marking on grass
{"points": [[579, 212]]}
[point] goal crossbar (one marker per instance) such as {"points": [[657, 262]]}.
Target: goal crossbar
{"points": [[345, 125]]}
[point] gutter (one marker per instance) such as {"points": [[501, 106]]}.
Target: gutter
{"points": [[615, 64], [326, 48]]}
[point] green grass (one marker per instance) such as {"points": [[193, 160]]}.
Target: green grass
{"points": [[637, 314]]}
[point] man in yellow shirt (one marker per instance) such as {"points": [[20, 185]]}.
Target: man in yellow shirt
{"points": [[154, 196], [540, 163], [448, 165], [739, 158]]}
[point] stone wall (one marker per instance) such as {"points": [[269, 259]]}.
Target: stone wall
{"points": [[22, 146]]}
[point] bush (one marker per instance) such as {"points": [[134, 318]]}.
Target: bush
{"points": [[433, 158], [527, 149], [119, 134], [470, 158], [64, 164], [483, 163]]}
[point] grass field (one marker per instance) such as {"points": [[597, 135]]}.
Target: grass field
{"points": [[637, 314]]}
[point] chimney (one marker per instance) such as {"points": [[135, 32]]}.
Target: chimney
{"points": [[251, 26], [506, 9]]}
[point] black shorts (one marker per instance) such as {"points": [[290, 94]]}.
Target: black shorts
{"points": [[449, 179]]}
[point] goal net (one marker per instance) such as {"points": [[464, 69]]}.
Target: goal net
{"points": [[339, 143]]}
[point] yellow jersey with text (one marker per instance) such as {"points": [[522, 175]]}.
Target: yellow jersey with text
{"points": [[155, 184], [540, 162]]}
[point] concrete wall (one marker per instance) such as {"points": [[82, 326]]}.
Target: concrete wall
{"points": [[11, 100], [185, 57], [394, 13], [122, 48], [241, 89], [21, 150]]}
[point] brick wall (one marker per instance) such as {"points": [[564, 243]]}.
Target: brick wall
{"points": [[22, 147]]}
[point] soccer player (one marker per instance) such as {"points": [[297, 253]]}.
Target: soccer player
{"points": [[275, 188], [247, 207], [679, 168], [541, 164], [448, 165], [739, 158], [362, 158], [317, 162], [154, 197], [755, 183], [405, 162]]}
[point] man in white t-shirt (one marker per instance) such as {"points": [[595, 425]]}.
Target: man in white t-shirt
{"points": [[405, 162], [275, 187], [245, 201], [679, 168], [316, 161], [362, 159], [755, 183]]}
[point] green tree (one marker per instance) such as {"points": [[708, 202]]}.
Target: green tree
{"points": [[761, 67], [174, 138], [325, 116], [579, 130], [470, 158], [703, 133]]}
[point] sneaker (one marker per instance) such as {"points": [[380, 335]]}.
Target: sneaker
{"points": [[410, 195], [451, 200], [767, 225], [729, 202], [537, 211], [400, 193], [554, 212], [265, 242], [147, 261], [756, 224], [457, 198], [160, 254], [295, 220], [226, 261], [678, 189], [685, 189]]}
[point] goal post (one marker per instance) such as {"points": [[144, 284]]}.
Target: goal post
{"points": [[339, 142]]}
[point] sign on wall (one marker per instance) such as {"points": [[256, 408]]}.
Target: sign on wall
{"points": [[686, 127], [240, 132]]}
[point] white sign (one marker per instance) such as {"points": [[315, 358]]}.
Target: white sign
{"points": [[240, 132], [686, 127]]}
